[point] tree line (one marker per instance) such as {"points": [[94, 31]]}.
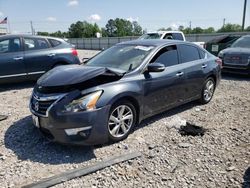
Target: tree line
{"points": [[121, 27]]}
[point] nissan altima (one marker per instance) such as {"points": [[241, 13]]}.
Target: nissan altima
{"points": [[104, 99]]}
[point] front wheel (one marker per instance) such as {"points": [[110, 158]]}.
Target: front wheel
{"points": [[207, 91], [122, 118]]}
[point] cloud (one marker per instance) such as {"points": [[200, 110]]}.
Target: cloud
{"points": [[131, 19], [72, 3], [51, 19], [95, 17], [1, 13]]}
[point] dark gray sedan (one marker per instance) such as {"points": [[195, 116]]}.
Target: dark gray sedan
{"points": [[103, 100], [26, 57], [236, 59]]}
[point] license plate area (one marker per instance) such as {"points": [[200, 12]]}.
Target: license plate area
{"points": [[36, 121]]}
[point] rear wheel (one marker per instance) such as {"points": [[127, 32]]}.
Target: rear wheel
{"points": [[207, 91], [122, 118]]}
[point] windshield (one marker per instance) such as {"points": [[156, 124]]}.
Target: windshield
{"points": [[124, 57], [151, 36], [243, 42]]}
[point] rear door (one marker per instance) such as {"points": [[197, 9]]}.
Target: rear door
{"points": [[11, 59], [164, 89], [195, 68], [38, 57]]}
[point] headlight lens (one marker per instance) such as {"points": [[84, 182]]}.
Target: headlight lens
{"points": [[87, 102], [221, 54]]}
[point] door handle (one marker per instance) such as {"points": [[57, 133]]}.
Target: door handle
{"points": [[204, 66], [179, 74], [51, 55], [18, 58]]}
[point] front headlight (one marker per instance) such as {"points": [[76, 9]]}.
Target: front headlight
{"points": [[221, 54], [87, 102]]}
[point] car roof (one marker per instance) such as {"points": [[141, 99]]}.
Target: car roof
{"points": [[27, 35], [154, 42]]}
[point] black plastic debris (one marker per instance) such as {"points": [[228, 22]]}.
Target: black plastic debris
{"points": [[3, 117], [192, 130]]}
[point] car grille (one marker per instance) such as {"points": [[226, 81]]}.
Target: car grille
{"points": [[235, 60], [40, 105]]}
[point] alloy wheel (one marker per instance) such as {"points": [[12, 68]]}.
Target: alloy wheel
{"points": [[120, 121], [208, 90]]}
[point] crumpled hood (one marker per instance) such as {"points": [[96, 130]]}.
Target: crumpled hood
{"points": [[236, 51], [69, 75]]}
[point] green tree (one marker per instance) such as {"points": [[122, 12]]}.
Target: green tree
{"points": [[165, 29], [209, 30], [230, 28], [137, 29], [43, 33], [83, 30], [248, 28], [197, 30], [122, 27]]}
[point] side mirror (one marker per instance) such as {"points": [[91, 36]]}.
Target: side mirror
{"points": [[156, 67], [85, 60]]}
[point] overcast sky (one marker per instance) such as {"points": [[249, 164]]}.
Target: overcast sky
{"points": [[53, 15]]}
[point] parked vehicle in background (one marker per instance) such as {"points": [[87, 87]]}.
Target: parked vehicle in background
{"points": [[236, 59], [27, 57], [103, 100], [214, 46], [174, 35]]}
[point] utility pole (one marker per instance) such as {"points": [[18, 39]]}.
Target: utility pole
{"points": [[244, 15], [32, 29], [224, 21], [190, 24]]}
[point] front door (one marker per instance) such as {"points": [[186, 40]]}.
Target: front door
{"points": [[165, 89]]}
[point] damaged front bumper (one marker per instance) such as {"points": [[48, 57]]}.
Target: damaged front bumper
{"points": [[78, 128]]}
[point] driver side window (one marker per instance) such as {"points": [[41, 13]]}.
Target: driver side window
{"points": [[167, 56]]}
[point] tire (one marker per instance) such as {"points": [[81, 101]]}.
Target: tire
{"points": [[118, 128], [207, 91]]}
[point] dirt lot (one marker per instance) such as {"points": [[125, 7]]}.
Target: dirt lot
{"points": [[221, 158]]}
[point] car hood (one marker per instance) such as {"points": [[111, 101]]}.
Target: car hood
{"points": [[236, 51], [73, 74]]}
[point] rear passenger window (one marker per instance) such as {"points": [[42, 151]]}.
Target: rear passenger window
{"points": [[35, 44], [167, 56], [203, 54], [54, 42], [10, 45], [188, 53], [178, 36]]}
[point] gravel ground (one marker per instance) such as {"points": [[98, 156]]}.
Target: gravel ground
{"points": [[221, 158]]}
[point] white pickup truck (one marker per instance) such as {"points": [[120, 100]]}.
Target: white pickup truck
{"points": [[174, 35]]}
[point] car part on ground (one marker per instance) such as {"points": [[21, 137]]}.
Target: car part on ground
{"points": [[191, 129], [103, 100], [77, 173]]}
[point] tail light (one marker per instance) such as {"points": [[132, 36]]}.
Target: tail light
{"points": [[74, 52], [219, 62]]}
